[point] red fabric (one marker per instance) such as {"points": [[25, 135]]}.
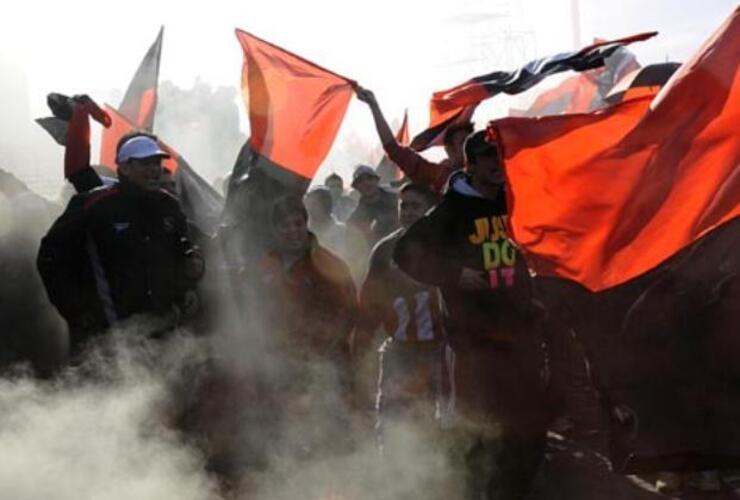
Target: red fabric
{"points": [[574, 95], [295, 107], [402, 135], [77, 150], [140, 100], [120, 127], [604, 197], [447, 103]]}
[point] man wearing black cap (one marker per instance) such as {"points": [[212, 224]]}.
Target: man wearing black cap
{"points": [[494, 325], [121, 250], [376, 215]]}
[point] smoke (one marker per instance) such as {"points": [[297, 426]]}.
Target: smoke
{"points": [[202, 123], [101, 430], [223, 415], [113, 427]]}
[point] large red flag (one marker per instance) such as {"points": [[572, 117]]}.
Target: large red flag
{"points": [[295, 109], [601, 198]]}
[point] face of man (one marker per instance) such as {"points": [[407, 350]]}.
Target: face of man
{"points": [[367, 185], [145, 173], [412, 207], [486, 169], [291, 233], [454, 146]]}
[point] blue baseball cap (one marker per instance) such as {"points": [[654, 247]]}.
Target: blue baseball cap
{"points": [[139, 147]]}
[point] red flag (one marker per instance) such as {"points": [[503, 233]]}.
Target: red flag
{"points": [[199, 201], [386, 169], [138, 105], [140, 101], [451, 106], [641, 82], [120, 126], [295, 109], [587, 91], [604, 197], [574, 95]]}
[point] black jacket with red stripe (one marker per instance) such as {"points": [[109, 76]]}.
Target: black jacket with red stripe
{"points": [[115, 252]]}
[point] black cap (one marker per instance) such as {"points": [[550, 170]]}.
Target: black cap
{"points": [[477, 144]]}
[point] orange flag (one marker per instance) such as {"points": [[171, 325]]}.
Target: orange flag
{"points": [[120, 126], [604, 197], [295, 109]]}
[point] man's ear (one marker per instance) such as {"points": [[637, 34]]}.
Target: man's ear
{"points": [[124, 168]]}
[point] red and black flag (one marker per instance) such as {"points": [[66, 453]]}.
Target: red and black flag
{"points": [[140, 101], [586, 91], [200, 203], [645, 81], [386, 169], [448, 106], [295, 110], [601, 198], [138, 105]]}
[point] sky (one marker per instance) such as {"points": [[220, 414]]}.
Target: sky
{"points": [[404, 50]]}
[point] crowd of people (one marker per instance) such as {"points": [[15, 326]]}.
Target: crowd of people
{"points": [[421, 279]]}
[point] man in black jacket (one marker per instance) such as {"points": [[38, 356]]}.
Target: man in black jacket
{"points": [[121, 250], [494, 327]]}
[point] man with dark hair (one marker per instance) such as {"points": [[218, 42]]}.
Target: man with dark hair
{"points": [[121, 250], [318, 304], [342, 204], [376, 215], [415, 166], [308, 305], [495, 327], [410, 312]]}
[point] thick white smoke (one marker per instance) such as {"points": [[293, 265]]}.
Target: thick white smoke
{"points": [[100, 431]]}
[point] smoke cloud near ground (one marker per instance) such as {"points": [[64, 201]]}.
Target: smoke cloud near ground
{"points": [[99, 431], [108, 428]]}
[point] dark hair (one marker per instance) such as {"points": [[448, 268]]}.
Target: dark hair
{"points": [[134, 133], [478, 145], [324, 196], [466, 127], [285, 206], [334, 176], [431, 197]]}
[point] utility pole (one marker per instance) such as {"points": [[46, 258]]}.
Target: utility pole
{"points": [[576, 20]]}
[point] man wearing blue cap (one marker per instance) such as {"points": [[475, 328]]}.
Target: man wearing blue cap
{"points": [[121, 250]]}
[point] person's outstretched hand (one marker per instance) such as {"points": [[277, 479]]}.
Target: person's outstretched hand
{"points": [[366, 95]]}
